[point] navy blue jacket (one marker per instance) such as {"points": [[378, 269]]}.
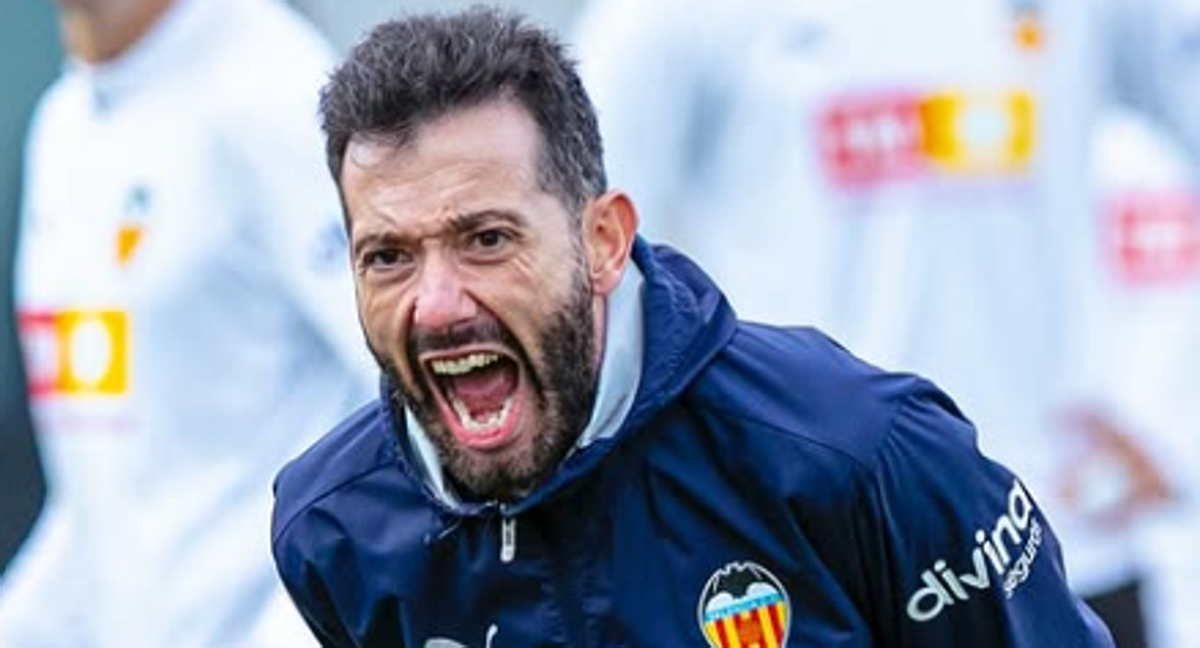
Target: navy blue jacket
{"points": [[766, 487]]}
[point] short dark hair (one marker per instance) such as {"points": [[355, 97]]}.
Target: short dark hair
{"points": [[408, 72]]}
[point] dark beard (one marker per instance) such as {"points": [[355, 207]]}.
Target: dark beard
{"points": [[564, 385]]}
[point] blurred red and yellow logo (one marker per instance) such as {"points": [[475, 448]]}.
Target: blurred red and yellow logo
{"points": [[79, 353], [887, 137]]}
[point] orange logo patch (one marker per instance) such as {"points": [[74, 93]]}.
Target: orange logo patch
{"points": [[1027, 31], [977, 133], [128, 238]]}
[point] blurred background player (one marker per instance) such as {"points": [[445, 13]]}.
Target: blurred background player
{"points": [[1144, 348], [923, 174], [184, 306]]}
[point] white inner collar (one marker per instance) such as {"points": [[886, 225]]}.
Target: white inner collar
{"points": [[185, 27]]}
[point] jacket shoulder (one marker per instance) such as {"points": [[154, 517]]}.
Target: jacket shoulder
{"points": [[804, 419], [801, 384], [358, 447]]}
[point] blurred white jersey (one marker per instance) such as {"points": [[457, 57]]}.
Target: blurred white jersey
{"points": [[1145, 342], [909, 176], [186, 310]]}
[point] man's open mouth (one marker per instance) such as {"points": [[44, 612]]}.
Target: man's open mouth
{"points": [[477, 394]]}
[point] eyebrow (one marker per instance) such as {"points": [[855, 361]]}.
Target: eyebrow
{"points": [[462, 223], [457, 224], [372, 239]]}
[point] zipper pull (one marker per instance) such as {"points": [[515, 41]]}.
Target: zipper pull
{"points": [[508, 539]]}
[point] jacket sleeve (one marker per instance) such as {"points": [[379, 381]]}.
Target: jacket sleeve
{"points": [[952, 547], [308, 592]]}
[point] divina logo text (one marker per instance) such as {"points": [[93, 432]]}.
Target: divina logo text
{"points": [[1007, 551]]}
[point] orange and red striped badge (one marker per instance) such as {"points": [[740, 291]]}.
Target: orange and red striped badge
{"points": [[761, 627], [743, 605]]}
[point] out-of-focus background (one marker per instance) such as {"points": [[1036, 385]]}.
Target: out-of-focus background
{"points": [[29, 56]]}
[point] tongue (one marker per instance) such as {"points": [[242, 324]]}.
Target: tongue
{"points": [[484, 391]]}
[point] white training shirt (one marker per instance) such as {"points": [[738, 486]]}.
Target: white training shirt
{"points": [[186, 310], [911, 177], [1145, 343]]}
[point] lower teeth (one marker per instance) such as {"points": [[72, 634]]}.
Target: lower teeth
{"points": [[471, 424]]}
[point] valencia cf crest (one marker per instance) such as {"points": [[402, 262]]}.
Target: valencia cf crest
{"points": [[744, 606], [133, 223]]}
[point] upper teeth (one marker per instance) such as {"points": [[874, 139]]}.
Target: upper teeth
{"points": [[460, 366]]}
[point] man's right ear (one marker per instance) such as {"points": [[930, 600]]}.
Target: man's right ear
{"points": [[609, 227]]}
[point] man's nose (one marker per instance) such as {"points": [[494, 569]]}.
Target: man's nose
{"points": [[442, 298]]}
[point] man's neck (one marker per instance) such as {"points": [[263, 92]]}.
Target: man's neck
{"points": [[99, 35]]}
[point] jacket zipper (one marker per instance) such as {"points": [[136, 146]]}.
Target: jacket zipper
{"points": [[508, 538], [564, 577]]}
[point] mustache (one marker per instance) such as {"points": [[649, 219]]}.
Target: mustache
{"points": [[461, 334]]}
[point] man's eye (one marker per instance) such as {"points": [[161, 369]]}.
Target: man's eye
{"points": [[381, 258], [491, 239]]}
